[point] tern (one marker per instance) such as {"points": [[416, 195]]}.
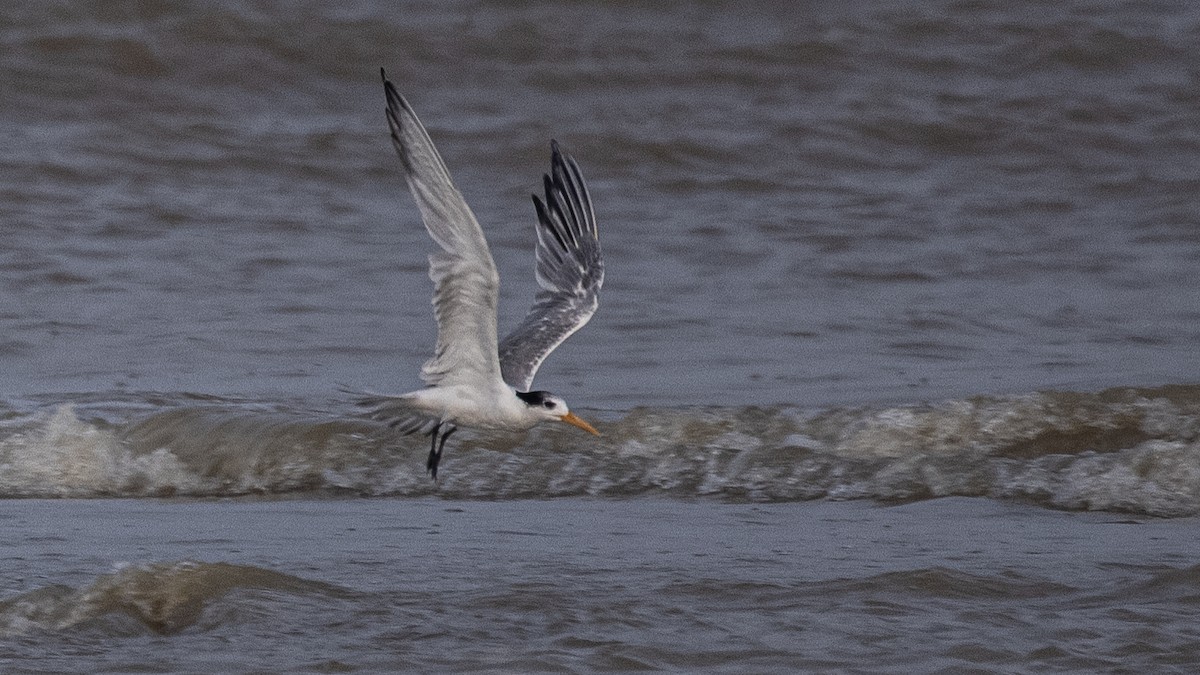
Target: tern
{"points": [[474, 380]]}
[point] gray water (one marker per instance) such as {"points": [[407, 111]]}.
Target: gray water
{"points": [[525, 586], [922, 262]]}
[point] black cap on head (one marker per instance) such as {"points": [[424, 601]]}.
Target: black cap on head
{"points": [[534, 399]]}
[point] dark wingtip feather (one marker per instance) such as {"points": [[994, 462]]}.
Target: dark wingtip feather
{"points": [[388, 87], [547, 222], [558, 202], [391, 94]]}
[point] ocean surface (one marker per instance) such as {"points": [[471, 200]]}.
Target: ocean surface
{"points": [[897, 360]]}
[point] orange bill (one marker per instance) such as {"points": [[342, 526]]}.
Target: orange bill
{"points": [[570, 418]]}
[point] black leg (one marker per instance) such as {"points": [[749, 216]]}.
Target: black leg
{"points": [[436, 446], [446, 435], [431, 465]]}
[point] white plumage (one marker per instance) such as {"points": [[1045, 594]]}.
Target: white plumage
{"points": [[474, 379]]}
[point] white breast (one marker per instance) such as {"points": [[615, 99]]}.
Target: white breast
{"points": [[481, 408]]}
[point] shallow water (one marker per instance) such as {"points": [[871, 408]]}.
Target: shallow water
{"points": [[587, 585], [907, 201], [924, 268]]}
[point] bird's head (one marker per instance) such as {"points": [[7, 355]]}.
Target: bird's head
{"points": [[546, 406]]}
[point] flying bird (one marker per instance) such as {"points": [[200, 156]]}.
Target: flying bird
{"points": [[474, 379]]}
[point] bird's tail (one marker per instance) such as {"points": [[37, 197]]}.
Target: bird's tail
{"points": [[395, 411]]}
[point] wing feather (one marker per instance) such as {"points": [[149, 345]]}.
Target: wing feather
{"points": [[466, 284], [569, 269]]}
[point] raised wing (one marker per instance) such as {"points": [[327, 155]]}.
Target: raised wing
{"points": [[465, 281], [570, 270]]}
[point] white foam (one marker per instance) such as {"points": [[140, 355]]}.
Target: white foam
{"points": [[68, 457], [1128, 450]]}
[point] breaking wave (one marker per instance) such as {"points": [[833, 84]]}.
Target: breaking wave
{"points": [[1134, 450], [160, 598]]}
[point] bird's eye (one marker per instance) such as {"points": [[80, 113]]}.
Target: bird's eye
{"points": [[549, 405]]}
